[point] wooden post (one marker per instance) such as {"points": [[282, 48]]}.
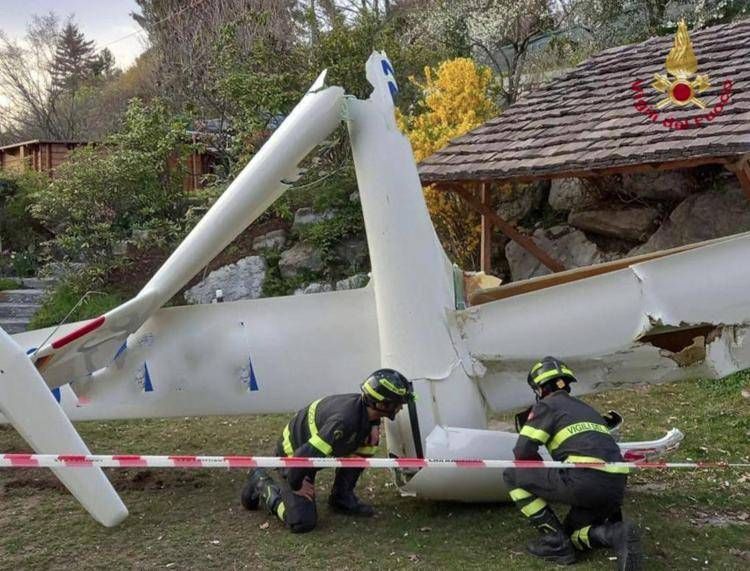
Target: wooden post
{"points": [[485, 248], [508, 229], [742, 170]]}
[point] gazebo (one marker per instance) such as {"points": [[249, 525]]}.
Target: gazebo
{"points": [[629, 109]]}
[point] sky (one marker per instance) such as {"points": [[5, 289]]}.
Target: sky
{"points": [[104, 21]]}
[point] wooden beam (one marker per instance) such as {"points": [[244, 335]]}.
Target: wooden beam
{"points": [[595, 172], [507, 228], [742, 170], [485, 248]]}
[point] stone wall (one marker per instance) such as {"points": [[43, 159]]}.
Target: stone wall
{"points": [[612, 217]]}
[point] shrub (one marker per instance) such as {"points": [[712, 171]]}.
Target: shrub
{"points": [[133, 181], [456, 97]]}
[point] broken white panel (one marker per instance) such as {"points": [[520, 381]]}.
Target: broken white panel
{"points": [[596, 324]]}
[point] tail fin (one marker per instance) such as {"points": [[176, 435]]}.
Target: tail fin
{"points": [[28, 404]]}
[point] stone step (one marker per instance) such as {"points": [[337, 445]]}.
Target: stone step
{"points": [[39, 283], [22, 295], [14, 325], [18, 309]]}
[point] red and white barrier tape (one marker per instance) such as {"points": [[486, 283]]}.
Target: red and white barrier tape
{"points": [[133, 461]]}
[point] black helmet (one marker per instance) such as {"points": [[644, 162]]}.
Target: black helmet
{"points": [[386, 386], [550, 369]]}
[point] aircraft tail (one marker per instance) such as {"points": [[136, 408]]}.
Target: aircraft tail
{"points": [[28, 404]]}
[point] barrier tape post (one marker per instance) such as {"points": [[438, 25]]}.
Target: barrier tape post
{"points": [[244, 462]]}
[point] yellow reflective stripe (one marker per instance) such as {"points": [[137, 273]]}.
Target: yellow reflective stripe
{"points": [[315, 439], [320, 444], [590, 459], [373, 393], [583, 535], [519, 494], [534, 507], [574, 429], [534, 433], [391, 387], [288, 448], [281, 510], [567, 371], [548, 375], [535, 367], [366, 450], [311, 417], [575, 540]]}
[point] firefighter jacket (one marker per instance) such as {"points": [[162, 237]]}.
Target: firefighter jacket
{"points": [[333, 426], [571, 430]]}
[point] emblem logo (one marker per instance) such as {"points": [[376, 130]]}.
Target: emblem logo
{"points": [[681, 65], [681, 88]]}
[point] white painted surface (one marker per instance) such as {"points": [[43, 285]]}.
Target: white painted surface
{"points": [[30, 407]]}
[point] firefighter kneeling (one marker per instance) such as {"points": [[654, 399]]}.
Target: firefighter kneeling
{"points": [[572, 431], [334, 426]]}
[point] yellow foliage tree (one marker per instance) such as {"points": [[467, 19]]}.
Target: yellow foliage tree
{"points": [[455, 100]]}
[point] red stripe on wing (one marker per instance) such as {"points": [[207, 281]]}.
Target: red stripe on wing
{"points": [[80, 332]]}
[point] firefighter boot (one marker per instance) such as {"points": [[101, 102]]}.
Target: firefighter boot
{"points": [[342, 498], [250, 496], [270, 495], [553, 544], [623, 538]]}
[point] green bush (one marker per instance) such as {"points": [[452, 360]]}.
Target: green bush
{"points": [[20, 234], [6, 283], [133, 181], [59, 303]]}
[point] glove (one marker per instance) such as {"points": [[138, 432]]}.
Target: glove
{"points": [[521, 418]]}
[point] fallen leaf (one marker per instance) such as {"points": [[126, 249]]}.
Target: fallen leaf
{"points": [[265, 525], [414, 557], [215, 542], [425, 529]]}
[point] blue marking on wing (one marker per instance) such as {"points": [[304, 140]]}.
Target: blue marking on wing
{"points": [[147, 386], [30, 351], [393, 89], [253, 383], [388, 69], [56, 394], [121, 350]]}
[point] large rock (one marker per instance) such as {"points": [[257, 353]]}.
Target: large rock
{"points": [[516, 202], [302, 256], [568, 246], [306, 216], [353, 282], [570, 194], [671, 185], [241, 280], [634, 224], [352, 251], [313, 287], [273, 240], [699, 217]]}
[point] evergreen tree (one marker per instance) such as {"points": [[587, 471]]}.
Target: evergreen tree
{"points": [[103, 65], [73, 61]]}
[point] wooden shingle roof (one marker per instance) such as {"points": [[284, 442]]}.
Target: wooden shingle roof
{"points": [[586, 121]]}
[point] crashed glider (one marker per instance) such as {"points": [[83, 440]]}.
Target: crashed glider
{"points": [[660, 317]]}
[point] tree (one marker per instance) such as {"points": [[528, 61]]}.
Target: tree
{"points": [[457, 97], [74, 60], [26, 83], [103, 65]]}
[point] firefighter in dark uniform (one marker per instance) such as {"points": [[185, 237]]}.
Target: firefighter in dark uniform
{"points": [[333, 426], [572, 431]]}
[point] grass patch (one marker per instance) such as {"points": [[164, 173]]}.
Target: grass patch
{"points": [[192, 519], [7, 283], [63, 299]]}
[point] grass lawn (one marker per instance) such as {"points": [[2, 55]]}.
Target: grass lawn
{"points": [[192, 519]]}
